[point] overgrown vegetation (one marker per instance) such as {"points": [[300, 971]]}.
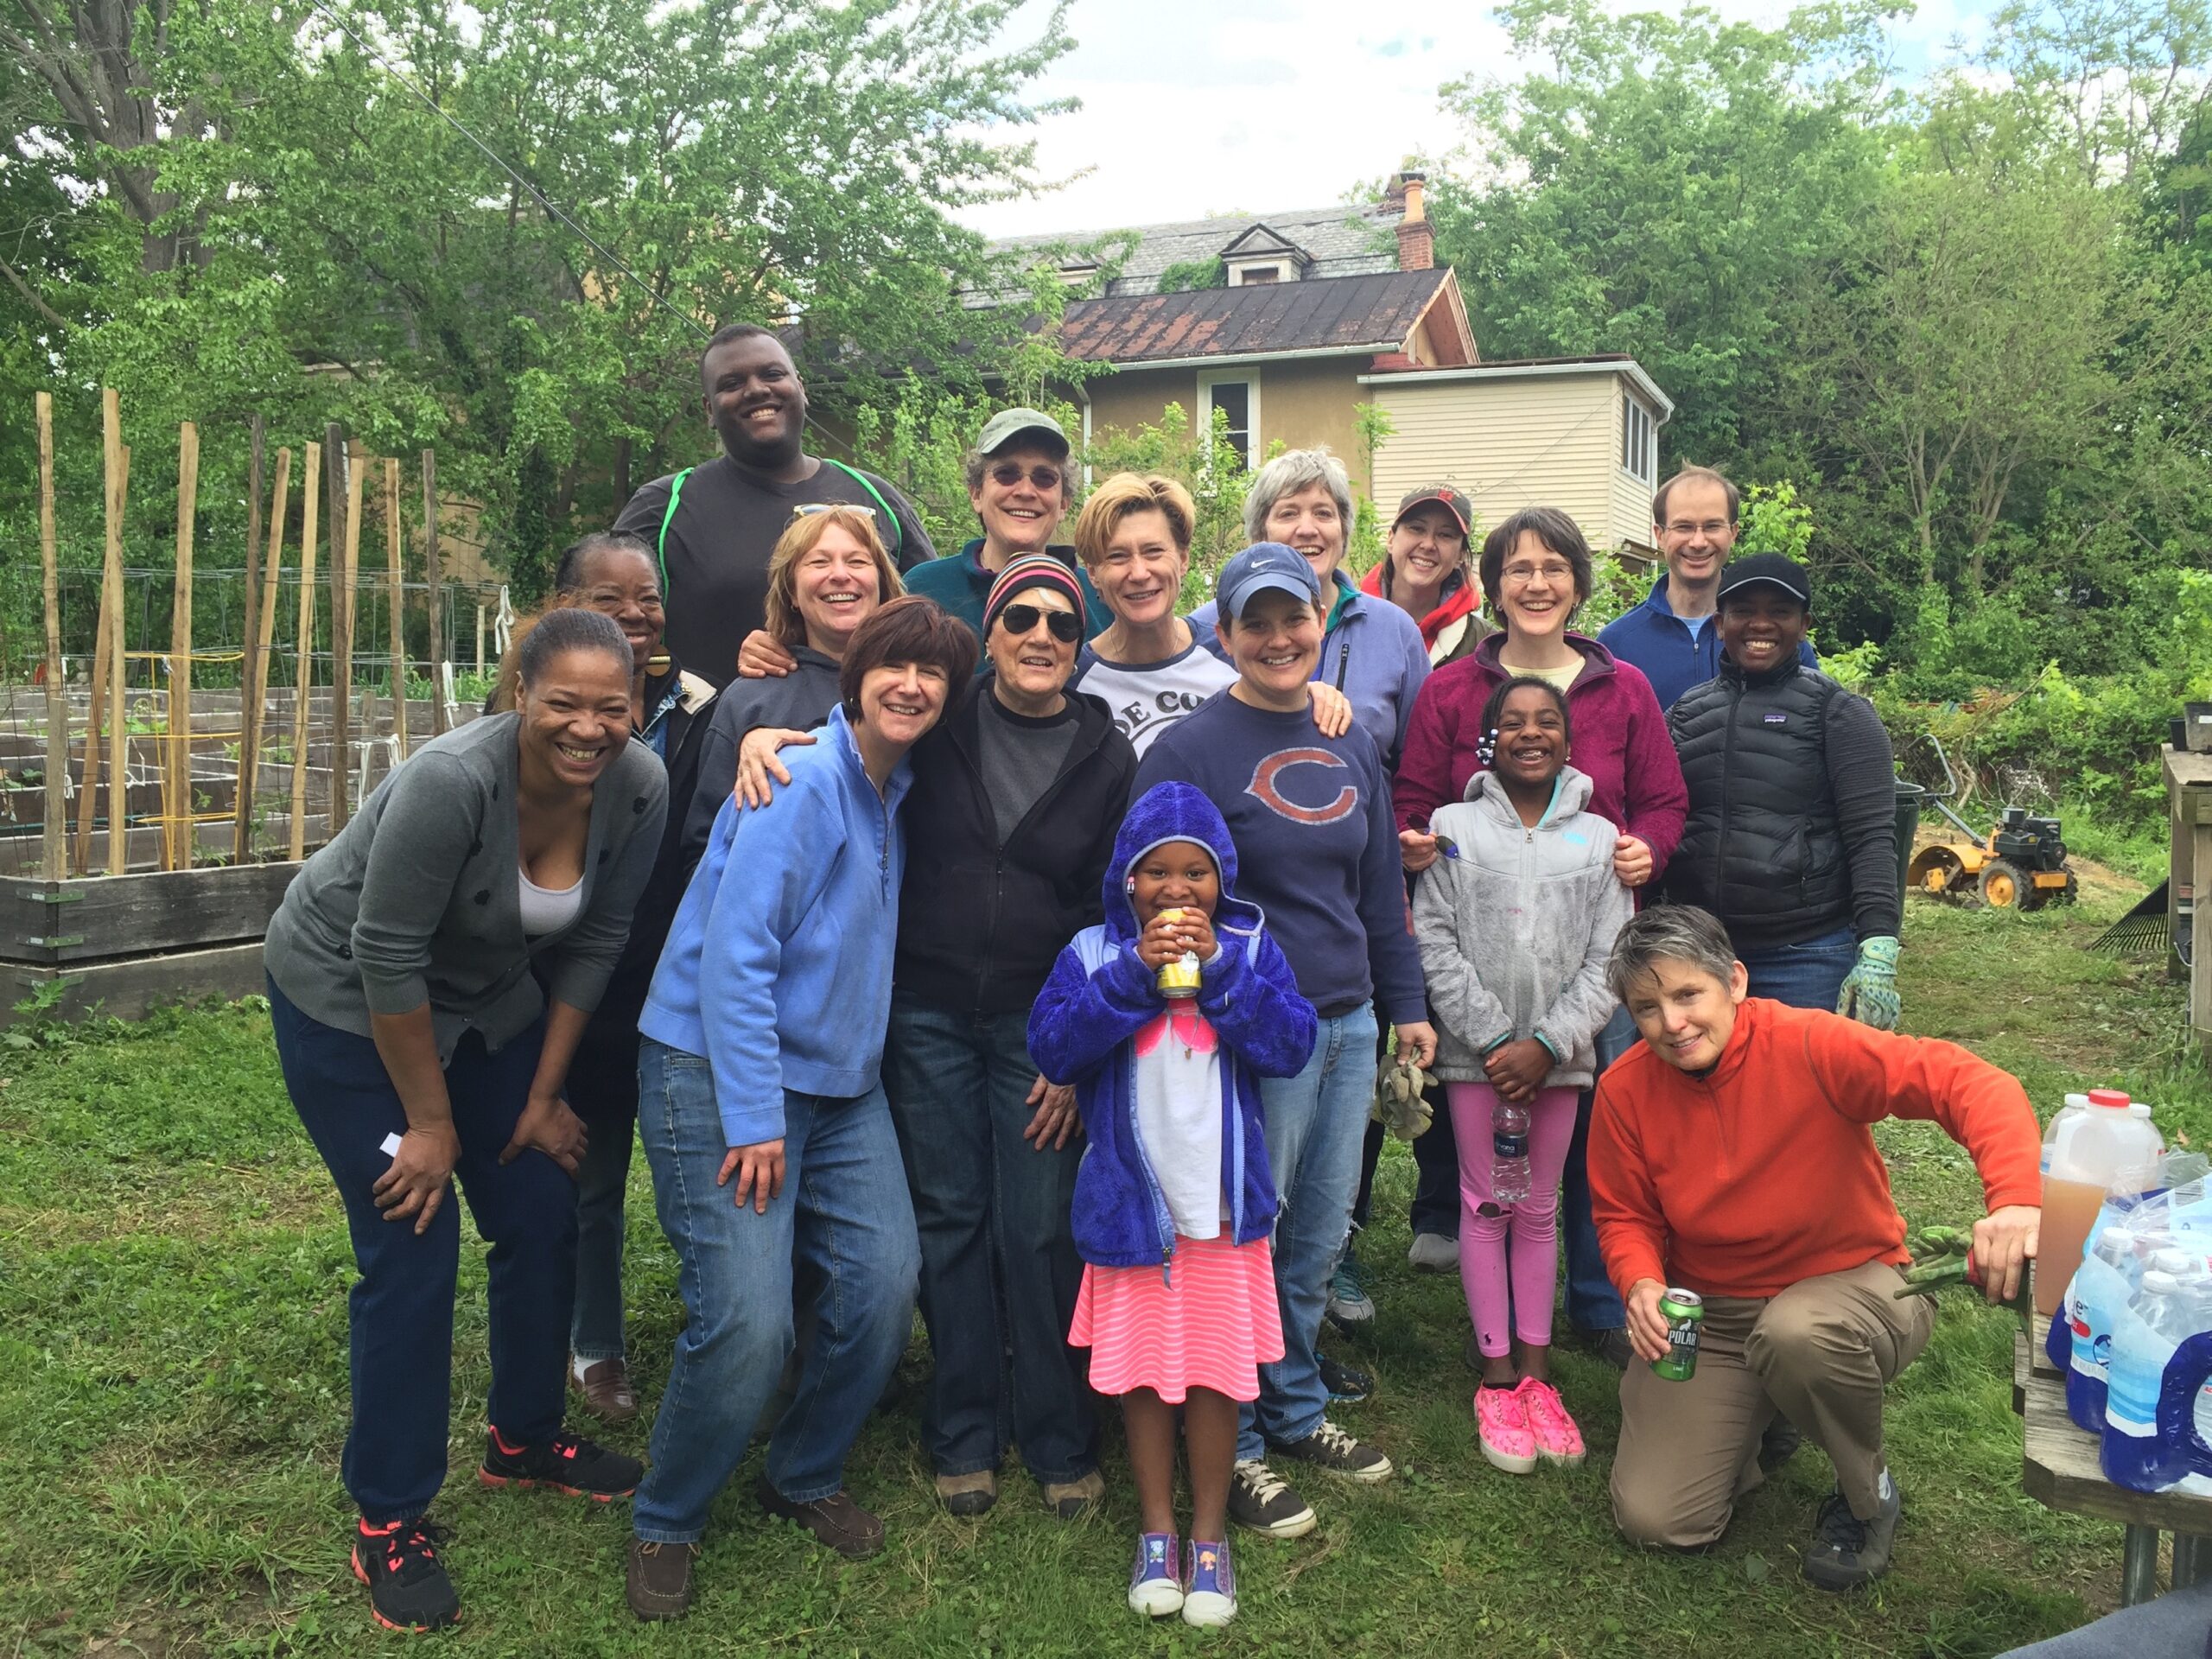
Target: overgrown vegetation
{"points": [[173, 1278]]}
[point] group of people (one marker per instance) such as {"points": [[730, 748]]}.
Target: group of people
{"points": [[983, 933]]}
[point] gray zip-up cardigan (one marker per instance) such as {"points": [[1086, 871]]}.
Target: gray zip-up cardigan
{"points": [[417, 899], [1515, 931]]}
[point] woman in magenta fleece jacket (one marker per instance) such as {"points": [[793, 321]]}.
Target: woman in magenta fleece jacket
{"points": [[1530, 564], [1535, 570]]}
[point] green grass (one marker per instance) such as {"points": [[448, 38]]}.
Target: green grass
{"points": [[173, 1279]]}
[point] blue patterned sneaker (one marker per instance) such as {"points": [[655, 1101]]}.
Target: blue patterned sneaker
{"points": [[1153, 1590], [1211, 1598]]}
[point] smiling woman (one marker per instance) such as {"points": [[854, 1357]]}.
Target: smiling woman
{"points": [[416, 1045]]}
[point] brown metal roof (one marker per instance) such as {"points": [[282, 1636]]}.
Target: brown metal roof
{"points": [[1343, 312]]}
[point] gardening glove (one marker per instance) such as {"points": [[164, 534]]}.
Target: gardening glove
{"points": [[1870, 990], [1401, 1103]]}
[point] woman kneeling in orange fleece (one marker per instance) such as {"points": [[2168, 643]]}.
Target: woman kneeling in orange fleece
{"points": [[1730, 1155]]}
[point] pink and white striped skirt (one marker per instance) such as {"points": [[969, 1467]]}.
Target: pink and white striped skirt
{"points": [[1210, 1323]]}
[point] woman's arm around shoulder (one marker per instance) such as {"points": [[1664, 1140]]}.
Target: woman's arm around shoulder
{"points": [[1658, 800]]}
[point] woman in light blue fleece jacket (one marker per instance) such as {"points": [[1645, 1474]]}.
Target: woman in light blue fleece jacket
{"points": [[767, 1130]]}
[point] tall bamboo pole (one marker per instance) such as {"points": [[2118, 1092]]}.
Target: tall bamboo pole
{"points": [[249, 630], [54, 829], [391, 533], [114, 462], [257, 687], [437, 591], [179, 832], [340, 483], [303, 679]]}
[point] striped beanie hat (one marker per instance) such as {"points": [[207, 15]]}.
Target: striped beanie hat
{"points": [[1033, 570]]}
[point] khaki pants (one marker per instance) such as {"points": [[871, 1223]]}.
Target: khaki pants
{"points": [[1819, 1353]]}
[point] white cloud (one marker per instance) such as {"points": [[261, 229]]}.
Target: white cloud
{"points": [[1192, 107]]}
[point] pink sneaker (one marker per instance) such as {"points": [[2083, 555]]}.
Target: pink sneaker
{"points": [[1557, 1440], [1501, 1425]]}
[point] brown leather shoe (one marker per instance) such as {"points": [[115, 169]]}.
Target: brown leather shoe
{"points": [[605, 1391], [836, 1521], [658, 1583], [967, 1495], [1071, 1499]]}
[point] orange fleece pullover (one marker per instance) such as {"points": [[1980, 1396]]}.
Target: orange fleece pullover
{"points": [[1764, 1171]]}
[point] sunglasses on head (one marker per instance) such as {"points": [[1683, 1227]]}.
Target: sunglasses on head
{"points": [[1008, 473], [808, 509], [1066, 626]]}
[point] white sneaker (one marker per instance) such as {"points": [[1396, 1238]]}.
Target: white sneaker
{"points": [[1433, 1253]]}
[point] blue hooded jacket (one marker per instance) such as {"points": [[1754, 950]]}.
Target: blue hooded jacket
{"points": [[1099, 995]]}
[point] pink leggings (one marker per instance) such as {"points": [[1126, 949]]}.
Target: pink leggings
{"points": [[1532, 1221]]}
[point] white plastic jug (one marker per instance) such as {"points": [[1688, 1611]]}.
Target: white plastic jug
{"points": [[2088, 1152]]}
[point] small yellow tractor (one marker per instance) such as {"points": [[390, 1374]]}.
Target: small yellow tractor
{"points": [[2019, 865]]}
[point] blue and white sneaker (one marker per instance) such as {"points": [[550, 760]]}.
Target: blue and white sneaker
{"points": [[1349, 1303], [1211, 1598], [1154, 1590]]}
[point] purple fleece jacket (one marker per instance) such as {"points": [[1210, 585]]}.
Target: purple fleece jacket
{"points": [[1619, 742]]}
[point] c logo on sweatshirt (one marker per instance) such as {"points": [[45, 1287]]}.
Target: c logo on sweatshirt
{"points": [[1268, 792]]}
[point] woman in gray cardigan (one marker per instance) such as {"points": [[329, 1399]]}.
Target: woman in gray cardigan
{"points": [[416, 1045]]}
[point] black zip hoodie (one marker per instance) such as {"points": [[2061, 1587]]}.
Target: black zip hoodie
{"points": [[981, 924]]}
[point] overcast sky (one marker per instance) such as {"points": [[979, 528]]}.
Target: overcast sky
{"points": [[1192, 107]]}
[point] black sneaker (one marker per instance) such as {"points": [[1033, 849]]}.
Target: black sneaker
{"points": [[1262, 1500], [1779, 1444], [408, 1587], [1847, 1552], [1347, 1384], [1329, 1447], [1610, 1345], [567, 1463]]}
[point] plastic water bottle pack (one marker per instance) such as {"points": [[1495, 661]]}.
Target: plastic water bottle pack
{"points": [[2141, 1315]]}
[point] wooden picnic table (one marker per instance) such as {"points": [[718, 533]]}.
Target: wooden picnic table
{"points": [[2060, 1470]]}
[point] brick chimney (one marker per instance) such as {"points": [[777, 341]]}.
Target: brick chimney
{"points": [[1416, 237]]}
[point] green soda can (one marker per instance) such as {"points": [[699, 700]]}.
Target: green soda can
{"points": [[1684, 1310]]}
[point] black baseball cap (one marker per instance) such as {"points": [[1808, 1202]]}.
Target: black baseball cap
{"points": [[1772, 568]]}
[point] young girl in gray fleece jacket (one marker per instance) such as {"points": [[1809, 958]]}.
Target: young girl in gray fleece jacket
{"points": [[1515, 921]]}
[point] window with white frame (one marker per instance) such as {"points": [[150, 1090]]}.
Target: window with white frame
{"points": [[1639, 441], [1238, 399]]}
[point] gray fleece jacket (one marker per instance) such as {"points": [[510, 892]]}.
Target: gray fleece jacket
{"points": [[1515, 928]]}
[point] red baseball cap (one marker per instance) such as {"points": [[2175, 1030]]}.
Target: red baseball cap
{"points": [[1444, 496]]}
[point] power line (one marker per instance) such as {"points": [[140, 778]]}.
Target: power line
{"points": [[499, 161]]}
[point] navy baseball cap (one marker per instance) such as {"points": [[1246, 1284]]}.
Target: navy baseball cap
{"points": [[1262, 567], [1772, 568]]}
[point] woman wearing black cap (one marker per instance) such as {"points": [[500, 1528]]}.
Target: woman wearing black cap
{"points": [[1791, 838]]}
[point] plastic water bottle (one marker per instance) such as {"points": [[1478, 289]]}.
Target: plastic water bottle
{"points": [[1508, 1140], [2161, 1359], [2105, 1283]]}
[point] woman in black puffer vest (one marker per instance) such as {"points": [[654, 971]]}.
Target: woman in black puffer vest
{"points": [[1791, 838]]}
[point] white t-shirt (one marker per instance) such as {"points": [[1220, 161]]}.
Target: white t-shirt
{"points": [[1146, 698], [1178, 1077]]}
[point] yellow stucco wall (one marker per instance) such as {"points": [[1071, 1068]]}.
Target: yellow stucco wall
{"points": [[1510, 443], [1300, 403]]}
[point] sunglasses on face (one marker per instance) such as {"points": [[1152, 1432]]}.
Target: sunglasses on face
{"points": [[808, 509], [1018, 620], [1008, 474]]}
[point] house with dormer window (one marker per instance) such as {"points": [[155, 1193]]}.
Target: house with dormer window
{"points": [[1308, 315]]}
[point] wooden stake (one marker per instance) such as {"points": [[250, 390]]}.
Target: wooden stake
{"points": [[256, 680], [113, 467], [479, 640], [341, 644], [54, 829], [437, 591], [398, 605], [178, 830], [338, 484], [303, 680], [249, 631]]}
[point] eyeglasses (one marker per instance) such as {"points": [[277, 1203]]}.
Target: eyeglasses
{"points": [[1519, 575], [1710, 527], [1066, 626], [1008, 474], [808, 509]]}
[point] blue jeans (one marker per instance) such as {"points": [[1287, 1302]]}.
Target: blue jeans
{"points": [[1806, 974], [999, 1272], [1314, 1124], [400, 1310], [842, 1220]]}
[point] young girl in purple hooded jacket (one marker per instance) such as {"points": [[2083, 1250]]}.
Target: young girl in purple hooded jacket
{"points": [[1173, 1201]]}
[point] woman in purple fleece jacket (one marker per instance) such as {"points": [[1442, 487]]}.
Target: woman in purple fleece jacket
{"points": [[1174, 1200]]}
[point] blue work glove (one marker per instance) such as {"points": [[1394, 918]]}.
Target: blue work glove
{"points": [[1870, 990]]}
